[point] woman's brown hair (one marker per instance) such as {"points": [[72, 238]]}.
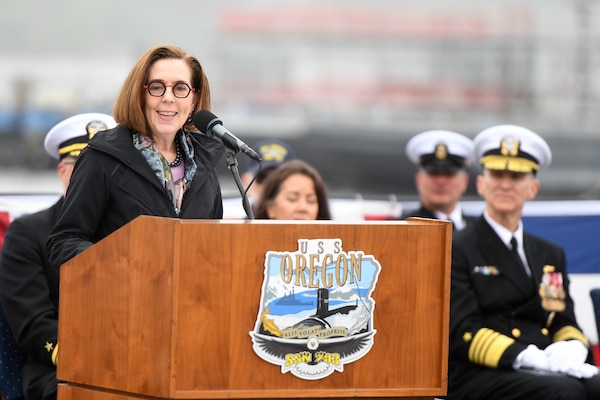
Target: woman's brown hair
{"points": [[128, 110], [272, 185]]}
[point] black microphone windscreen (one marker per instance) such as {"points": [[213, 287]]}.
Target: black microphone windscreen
{"points": [[202, 119]]}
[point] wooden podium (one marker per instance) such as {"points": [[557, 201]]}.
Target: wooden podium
{"points": [[162, 309]]}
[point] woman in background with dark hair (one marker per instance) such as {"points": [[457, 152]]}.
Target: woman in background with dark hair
{"points": [[155, 162], [294, 191]]}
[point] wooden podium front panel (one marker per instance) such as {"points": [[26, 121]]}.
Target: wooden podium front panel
{"points": [[219, 295], [163, 308], [116, 311]]}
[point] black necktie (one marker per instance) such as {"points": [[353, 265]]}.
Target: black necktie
{"points": [[515, 250]]}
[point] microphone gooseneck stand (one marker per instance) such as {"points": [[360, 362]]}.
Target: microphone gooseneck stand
{"points": [[232, 165]]}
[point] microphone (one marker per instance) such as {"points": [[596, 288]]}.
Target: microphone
{"points": [[208, 123]]}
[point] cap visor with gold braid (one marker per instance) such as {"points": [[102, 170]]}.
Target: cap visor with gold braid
{"points": [[512, 148], [70, 136]]}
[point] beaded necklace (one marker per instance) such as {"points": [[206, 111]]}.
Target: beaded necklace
{"points": [[178, 158]]}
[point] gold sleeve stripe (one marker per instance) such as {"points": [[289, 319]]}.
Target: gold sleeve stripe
{"points": [[55, 355], [570, 332], [73, 147], [496, 161], [487, 347]]}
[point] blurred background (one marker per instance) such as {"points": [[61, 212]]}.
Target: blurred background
{"points": [[347, 83]]}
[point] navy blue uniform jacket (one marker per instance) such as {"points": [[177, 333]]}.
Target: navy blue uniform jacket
{"points": [[495, 308], [29, 295]]}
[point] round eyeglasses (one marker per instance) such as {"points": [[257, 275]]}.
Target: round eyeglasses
{"points": [[180, 90]]}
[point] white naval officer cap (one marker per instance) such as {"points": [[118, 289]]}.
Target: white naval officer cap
{"points": [[440, 151], [70, 136], [512, 148]]}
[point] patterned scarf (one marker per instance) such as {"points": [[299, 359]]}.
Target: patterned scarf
{"points": [[161, 168]]}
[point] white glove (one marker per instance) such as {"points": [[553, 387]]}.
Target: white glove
{"points": [[532, 358], [566, 355], [586, 371]]}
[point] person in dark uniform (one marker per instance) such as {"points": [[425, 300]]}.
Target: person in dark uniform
{"points": [[513, 331], [12, 357], [28, 283], [442, 157]]}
